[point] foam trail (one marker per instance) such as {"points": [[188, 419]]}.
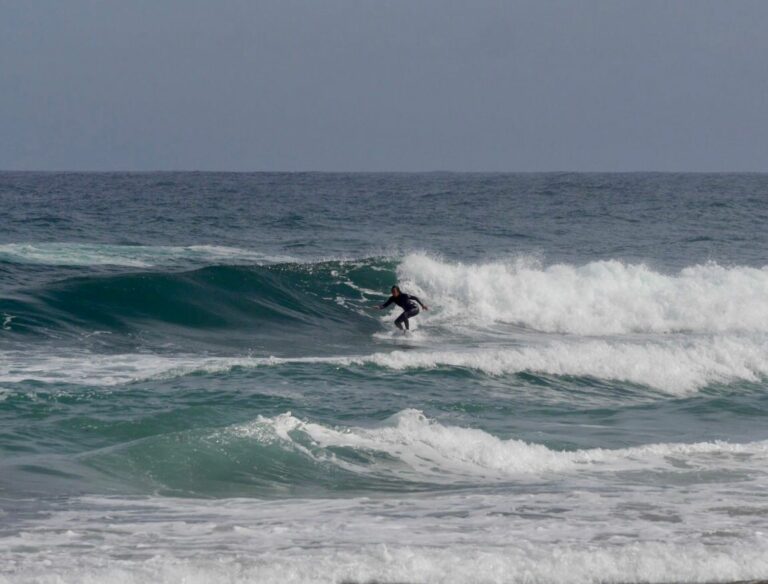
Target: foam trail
{"points": [[673, 366], [137, 256], [605, 297]]}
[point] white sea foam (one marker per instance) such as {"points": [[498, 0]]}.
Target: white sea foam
{"points": [[675, 366], [443, 453], [513, 563], [604, 297], [138, 256], [553, 538]]}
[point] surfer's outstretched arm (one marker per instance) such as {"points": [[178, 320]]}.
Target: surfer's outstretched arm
{"points": [[387, 303], [416, 298]]}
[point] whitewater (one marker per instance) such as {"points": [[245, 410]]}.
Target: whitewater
{"points": [[207, 395]]}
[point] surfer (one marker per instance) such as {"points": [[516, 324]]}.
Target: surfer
{"points": [[405, 301]]}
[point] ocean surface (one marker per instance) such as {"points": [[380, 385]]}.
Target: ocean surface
{"points": [[194, 387]]}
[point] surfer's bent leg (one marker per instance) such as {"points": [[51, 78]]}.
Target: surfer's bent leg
{"points": [[403, 318]]}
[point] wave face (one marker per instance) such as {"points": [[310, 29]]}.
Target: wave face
{"points": [[210, 300], [195, 384]]}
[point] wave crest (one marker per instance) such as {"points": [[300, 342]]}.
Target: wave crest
{"points": [[134, 256]]}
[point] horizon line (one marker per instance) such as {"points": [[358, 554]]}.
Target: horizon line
{"points": [[439, 171]]}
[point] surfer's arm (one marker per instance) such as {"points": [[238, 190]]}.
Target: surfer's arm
{"points": [[387, 303], [416, 298]]}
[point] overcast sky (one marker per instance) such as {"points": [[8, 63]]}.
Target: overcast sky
{"points": [[384, 85]]}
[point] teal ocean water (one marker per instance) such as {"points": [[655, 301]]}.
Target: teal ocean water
{"points": [[194, 387]]}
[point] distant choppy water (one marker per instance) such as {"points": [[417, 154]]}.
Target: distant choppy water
{"points": [[194, 388]]}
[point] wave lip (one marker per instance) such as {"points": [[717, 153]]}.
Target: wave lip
{"points": [[134, 256], [597, 298]]}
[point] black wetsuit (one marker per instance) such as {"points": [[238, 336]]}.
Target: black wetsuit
{"points": [[409, 305]]}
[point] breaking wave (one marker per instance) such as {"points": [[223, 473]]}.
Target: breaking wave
{"points": [[597, 298], [285, 454]]}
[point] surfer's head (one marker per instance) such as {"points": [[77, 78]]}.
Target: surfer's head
{"points": [[395, 291]]}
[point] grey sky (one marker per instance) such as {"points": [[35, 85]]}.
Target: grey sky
{"points": [[384, 85]]}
